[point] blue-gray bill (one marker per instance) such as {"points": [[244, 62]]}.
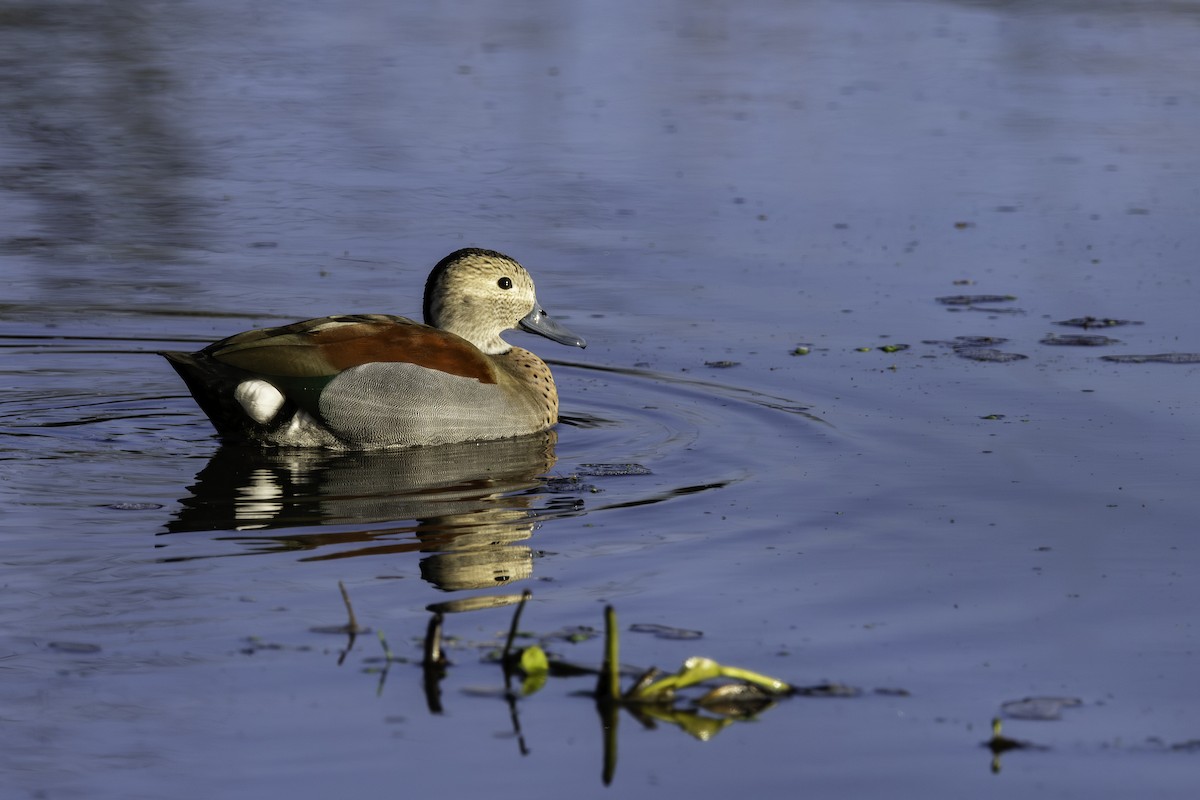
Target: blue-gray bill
{"points": [[539, 322]]}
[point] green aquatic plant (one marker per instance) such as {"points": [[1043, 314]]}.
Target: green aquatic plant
{"points": [[701, 698], [652, 689]]}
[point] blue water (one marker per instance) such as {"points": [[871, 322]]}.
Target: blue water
{"points": [[689, 186]]}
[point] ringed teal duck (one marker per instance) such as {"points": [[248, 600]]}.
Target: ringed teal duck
{"points": [[374, 380]]}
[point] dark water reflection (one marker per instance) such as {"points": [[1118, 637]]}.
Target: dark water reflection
{"points": [[468, 505]]}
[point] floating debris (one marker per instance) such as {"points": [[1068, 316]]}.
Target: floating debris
{"points": [[978, 348], [255, 644], [987, 354], [665, 631], [883, 348], [1095, 322], [1039, 708], [802, 350], [968, 341], [721, 364], [612, 470], [1158, 358], [74, 648], [974, 299], [134, 506], [1079, 340], [827, 690], [572, 634]]}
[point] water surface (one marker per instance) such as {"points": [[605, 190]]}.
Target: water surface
{"points": [[700, 191]]}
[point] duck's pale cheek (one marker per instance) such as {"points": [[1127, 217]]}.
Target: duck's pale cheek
{"points": [[260, 400]]}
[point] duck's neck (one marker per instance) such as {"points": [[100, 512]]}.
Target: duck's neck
{"points": [[488, 342], [494, 346]]}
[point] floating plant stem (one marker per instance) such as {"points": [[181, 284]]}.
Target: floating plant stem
{"points": [[352, 625], [512, 629], [608, 688], [766, 682], [387, 651]]}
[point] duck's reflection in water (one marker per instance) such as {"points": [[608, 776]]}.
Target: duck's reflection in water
{"points": [[465, 505]]}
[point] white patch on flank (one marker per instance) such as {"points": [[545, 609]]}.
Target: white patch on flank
{"points": [[260, 400]]}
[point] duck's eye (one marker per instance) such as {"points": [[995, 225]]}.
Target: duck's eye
{"points": [[504, 283]]}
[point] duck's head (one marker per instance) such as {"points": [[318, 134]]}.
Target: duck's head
{"points": [[479, 294]]}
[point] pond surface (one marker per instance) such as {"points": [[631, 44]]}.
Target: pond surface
{"points": [[778, 436]]}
